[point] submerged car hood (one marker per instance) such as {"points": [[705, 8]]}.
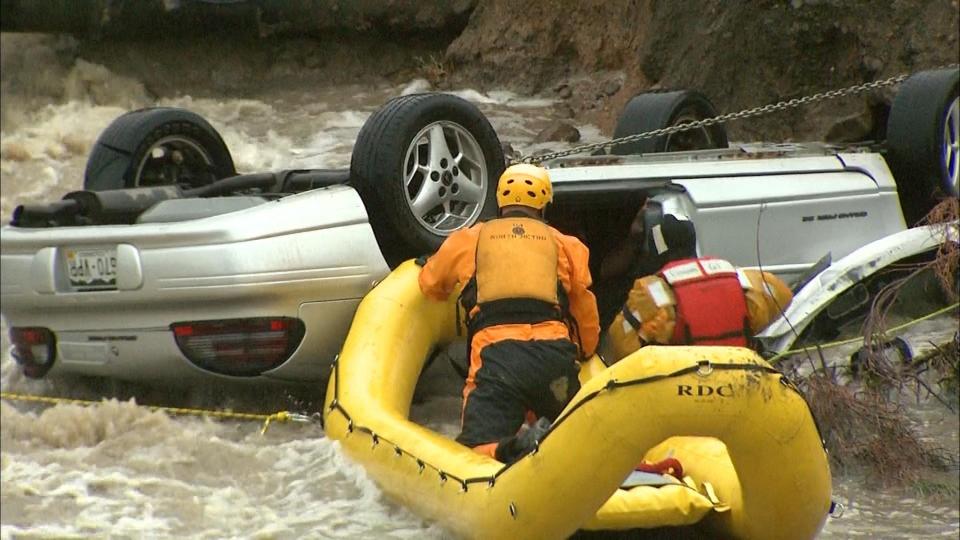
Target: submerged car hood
{"points": [[817, 294]]}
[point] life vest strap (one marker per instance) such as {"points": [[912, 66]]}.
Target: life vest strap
{"points": [[514, 311], [726, 335], [630, 318]]}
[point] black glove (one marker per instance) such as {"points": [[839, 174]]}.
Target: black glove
{"points": [[515, 447]]}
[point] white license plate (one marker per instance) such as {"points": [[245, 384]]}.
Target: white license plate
{"points": [[90, 269]]}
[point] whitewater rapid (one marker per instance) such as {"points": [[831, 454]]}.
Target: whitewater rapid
{"points": [[118, 469]]}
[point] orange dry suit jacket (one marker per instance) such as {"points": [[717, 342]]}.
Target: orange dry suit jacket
{"points": [[455, 264]]}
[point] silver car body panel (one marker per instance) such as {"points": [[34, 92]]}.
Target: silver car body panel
{"points": [[837, 278], [311, 255], [779, 213], [314, 255]]}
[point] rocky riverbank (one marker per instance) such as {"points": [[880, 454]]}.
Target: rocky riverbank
{"points": [[741, 54]]}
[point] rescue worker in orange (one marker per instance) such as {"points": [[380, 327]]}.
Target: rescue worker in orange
{"points": [[530, 315], [691, 300]]}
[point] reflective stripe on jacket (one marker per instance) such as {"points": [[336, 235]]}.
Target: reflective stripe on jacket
{"points": [[649, 314]]}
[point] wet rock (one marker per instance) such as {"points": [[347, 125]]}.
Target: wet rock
{"points": [[95, 83], [611, 87], [14, 152], [75, 144], [872, 64], [564, 110], [558, 131], [852, 128], [564, 92], [510, 154]]}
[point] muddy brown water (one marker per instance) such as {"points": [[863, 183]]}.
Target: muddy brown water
{"points": [[120, 470]]}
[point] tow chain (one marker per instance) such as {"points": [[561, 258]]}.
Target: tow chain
{"points": [[706, 122], [279, 417]]}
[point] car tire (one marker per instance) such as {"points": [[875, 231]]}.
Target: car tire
{"points": [[656, 110], [425, 165], [922, 139], [157, 146]]}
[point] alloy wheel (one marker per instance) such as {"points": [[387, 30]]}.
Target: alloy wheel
{"points": [[951, 147], [445, 177]]}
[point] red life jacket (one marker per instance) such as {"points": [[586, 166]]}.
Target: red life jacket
{"points": [[711, 307]]}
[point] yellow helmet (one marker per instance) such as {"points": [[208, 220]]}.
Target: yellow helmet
{"points": [[526, 185]]}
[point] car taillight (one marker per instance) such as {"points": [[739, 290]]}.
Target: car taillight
{"points": [[34, 349], [239, 347]]}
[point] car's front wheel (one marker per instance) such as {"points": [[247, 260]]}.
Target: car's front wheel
{"points": [[923, 140], [426, 165], [157, 147]]}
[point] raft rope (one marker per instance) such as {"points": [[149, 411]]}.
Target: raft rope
{"points": [[833, 344], [703, 367], [279, 417]]}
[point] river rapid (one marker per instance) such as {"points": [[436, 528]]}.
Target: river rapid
{"points": [[121, 470]]}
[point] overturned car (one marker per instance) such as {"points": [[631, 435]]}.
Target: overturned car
{"points": [[170, 265]]}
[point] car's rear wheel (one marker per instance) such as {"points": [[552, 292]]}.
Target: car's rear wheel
{"points": [[426, 165], [657, 110], [923, 140], [156, 147]]}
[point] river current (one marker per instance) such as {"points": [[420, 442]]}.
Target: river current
{"points": [[118, 469]]}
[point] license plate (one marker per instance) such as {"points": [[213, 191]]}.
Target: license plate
{"points": [[92, 269]]}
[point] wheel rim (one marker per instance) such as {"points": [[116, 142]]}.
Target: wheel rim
{"points": [[173, 160], [691, 139], [445, 177], [951, 147]]}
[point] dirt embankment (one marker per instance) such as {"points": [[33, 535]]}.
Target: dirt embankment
{"points": [[592, 55], [742, 54]]}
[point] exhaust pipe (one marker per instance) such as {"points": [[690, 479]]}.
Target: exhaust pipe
{"points": [[119, 206], [45, 215], [124, 206], [110, 207]]}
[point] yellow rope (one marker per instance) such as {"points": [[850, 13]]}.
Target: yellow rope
{"points": [[281, 417], [287, 416], [860, 338]]}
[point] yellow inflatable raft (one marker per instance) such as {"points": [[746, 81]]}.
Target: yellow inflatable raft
{"points": [[753, 459]]}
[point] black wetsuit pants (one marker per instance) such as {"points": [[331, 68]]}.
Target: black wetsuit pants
{"points": [[514, 377]]}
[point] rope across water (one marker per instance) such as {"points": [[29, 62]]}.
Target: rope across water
{"points": [[747, 113], [267, 419]]}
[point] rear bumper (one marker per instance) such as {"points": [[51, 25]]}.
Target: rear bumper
{"points": [[152, 354]]}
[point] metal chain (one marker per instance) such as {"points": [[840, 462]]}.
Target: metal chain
{"points": [[706, 122]]}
